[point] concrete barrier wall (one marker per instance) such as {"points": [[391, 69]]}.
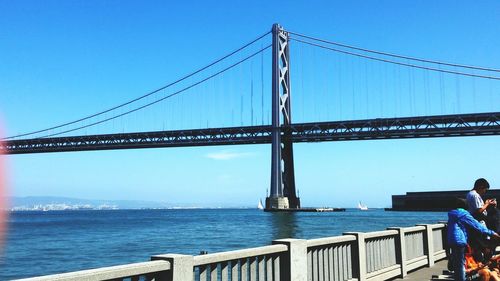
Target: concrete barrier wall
{"points": [[152, 270], [414, 247], [332, 258], [263, 263], [380, 255]]}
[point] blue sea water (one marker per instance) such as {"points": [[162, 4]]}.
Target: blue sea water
{"points": [[41, 243]]}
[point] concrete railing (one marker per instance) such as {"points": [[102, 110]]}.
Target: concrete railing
{"points": [[152, 270], [262, 263], [332, 258], [380, 255]]}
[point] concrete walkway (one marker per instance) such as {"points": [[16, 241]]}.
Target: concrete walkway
{"points": [[426, 273]]}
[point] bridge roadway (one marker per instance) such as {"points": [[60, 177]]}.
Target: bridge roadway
{"points": [[482, 124]]}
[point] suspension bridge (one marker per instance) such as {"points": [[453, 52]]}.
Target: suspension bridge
{"points": [[341, 93]]}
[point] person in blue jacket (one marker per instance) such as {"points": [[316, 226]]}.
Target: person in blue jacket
{"points": [[460, 224]]}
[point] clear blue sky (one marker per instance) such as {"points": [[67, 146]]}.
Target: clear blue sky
{"points": [[61, 60]]}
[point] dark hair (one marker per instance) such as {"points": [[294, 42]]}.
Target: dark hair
{"points": [[460, 203], [481, 183]]}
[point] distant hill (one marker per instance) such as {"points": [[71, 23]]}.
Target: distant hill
{"points": [[32, 201]]}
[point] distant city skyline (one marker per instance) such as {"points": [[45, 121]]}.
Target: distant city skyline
{"points": [[60, 61]]}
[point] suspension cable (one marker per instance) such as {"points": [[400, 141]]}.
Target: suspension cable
{"points": [[164, 98], [146, 95], [394, 62], [396, 55]]}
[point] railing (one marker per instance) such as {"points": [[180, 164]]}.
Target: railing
{"points": [[439, 237], [380, 255], [152, 270], [261, 263], [331, 258], [414, 247]]}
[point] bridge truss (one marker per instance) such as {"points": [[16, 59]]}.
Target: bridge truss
{"points": [[483, 124]]}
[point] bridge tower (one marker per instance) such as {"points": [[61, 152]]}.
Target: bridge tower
{"points": [[282, 192]]}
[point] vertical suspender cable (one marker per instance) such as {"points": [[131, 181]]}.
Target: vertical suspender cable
{"points": [[241, 96], [367, 99], [401, 95], [426, 91], [262, 87], [441, 90], [410, 93], [353, 90], [474, 104], [457, 85], [340, 70], [251, 93], [303, 93]]}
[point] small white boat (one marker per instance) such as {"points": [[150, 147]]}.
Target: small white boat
{"points": [[362, 207], [260, 206]]}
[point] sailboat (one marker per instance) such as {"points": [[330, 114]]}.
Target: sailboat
{"points": [[362, 207], [260, 206]]}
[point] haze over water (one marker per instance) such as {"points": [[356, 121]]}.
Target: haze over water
{"points": [[41, 243]]}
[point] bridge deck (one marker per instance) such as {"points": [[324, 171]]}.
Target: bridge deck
{"points": [[479, 124]]}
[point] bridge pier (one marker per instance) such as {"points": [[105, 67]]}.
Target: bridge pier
{"points": [[277, 203], [282, 195]]}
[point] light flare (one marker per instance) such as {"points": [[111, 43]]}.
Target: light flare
{"points": [[3, 192]]}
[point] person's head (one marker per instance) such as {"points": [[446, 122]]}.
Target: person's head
{"points": [[460, 203], [481, 186]]}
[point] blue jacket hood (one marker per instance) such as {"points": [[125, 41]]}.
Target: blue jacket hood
{"points": [[455, 215]]}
